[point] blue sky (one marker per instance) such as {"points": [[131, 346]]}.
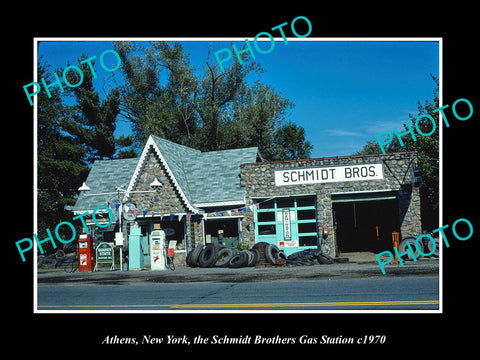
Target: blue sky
{"points": [[345, 92]]}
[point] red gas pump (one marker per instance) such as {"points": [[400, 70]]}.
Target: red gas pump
{"points": [[85, 253]]}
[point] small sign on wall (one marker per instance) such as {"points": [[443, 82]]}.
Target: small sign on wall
{"points": [[288, 243], [287, 235]]}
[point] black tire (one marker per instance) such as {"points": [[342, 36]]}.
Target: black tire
{"points": [[239, 260], [316, 252], [195, 255], [324, 259], [294, 262], [60, 254], [187, 259], [208, 256], [253, 256], [224, 256], [403, 247], [256, 256], [40, 260], [249, 256], [429, 247], [294, 256], [341, 260], [271, 253], [281, 255], [219, 247]]}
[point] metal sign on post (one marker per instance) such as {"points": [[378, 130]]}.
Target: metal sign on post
{"points": [[104, 255], [129, 211]]}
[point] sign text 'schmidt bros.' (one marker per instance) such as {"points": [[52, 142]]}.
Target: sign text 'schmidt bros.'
{"points": [[328, 174]]}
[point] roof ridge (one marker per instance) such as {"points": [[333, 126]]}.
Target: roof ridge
{"points": [[154, 142], [161, 139], [242, 148]]}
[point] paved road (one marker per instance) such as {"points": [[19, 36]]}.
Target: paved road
{"points": [[393, 293]]}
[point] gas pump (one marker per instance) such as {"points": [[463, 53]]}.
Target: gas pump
{"points": [[135, 250], [85, 253], [157, 250]]}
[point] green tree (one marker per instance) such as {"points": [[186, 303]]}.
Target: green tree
{"points": [[75, 127], [94, 119], [427, 148], [60, 158], [126, 147], [289, 143], [209, 110], [150, 106], [371, 147]]}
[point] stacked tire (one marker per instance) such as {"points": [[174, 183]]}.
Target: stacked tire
{"points": [[419, 248], [309, 257], [270, 254], [214, 255], [244, 258]]}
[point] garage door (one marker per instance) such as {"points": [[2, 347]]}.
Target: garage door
{"points": [[365, 222]]}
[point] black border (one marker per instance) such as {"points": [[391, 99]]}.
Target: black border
{"points": [[426, 333]]}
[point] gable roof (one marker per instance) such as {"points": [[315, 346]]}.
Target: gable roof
{"points": [[202, 179], [216, 176], [104, 177]]}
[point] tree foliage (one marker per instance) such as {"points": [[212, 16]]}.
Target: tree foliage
{"points": [[94, 119], [161, 94], [427, 148], [60, 157], [209, 109], [75, 128]]}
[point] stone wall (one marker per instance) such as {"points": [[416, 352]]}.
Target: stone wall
{"points": [[167, 201], [259, 182]]}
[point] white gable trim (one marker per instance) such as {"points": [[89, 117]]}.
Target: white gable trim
{"points": [[140, 167]]}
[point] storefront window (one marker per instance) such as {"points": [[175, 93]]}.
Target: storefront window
{"points": [[305, 201], [285, 203], [269, 204], [309, 227], [266, 216], [306, 214], [222, 231], [267, 230], [307, 240], [174, 230]]}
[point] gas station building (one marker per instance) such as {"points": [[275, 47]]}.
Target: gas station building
{"points": [[345, 203]]}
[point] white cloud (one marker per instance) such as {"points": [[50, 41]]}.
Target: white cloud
{"points": [[343, 132], [379, 126]]}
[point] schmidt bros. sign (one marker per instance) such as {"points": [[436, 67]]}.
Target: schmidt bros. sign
{"points": [[328, 174]]}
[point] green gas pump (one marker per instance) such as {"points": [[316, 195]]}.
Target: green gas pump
{"points": [[135, 249]]}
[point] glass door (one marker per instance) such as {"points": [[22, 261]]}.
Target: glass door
{"points": [[290, 223]]}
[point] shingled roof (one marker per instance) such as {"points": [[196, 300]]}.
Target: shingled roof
{"points": [[104, 177], [203, 179]]}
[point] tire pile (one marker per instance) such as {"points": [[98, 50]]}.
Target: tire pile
{"points": [[214, 255], [309, 257], [262, 253]]}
